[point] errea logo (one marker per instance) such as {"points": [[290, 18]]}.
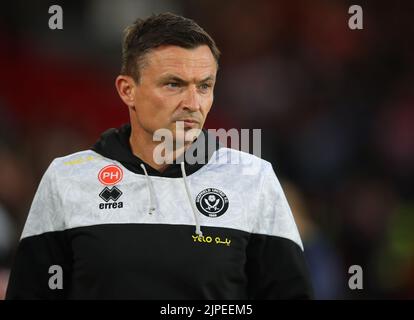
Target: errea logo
{"points": [[113, 194], [109, 176], [110, 194]]}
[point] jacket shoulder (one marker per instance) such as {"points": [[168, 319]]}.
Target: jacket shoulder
{"points": [[78, 163], [241, 161], [77, 158]]}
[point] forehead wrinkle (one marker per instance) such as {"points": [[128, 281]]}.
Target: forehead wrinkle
{"points": [[194, 64], [194, 73], [182, 55], [185, 63]]}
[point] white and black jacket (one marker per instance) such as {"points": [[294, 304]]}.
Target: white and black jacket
{"points": [[122, 230]]}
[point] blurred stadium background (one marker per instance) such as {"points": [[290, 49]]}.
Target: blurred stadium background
{"points": [[336, 108]]}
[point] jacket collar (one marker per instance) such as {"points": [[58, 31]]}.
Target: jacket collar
{"points": [[114, 144]]}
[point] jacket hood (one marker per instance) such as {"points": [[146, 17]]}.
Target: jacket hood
{"points": [[114, 144]]}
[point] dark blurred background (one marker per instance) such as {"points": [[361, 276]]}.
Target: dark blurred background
{"points": [[336, 109]]}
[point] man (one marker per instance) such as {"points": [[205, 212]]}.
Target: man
{"points": [[115, 222]]}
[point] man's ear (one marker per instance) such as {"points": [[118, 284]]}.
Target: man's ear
{"points": [[126, 87]]}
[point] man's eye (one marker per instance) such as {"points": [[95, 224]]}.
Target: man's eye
{"points": [[205, 86], [173, 85]]}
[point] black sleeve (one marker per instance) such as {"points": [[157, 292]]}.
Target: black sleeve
{"points": [[275, 265], [29, 278], [276, 269], [42, 246]]}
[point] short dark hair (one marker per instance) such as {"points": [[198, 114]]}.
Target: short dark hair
{"points": [[158, 30]]}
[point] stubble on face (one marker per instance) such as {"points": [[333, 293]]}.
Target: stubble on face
{"points": [[175, 87], [176, 84]]}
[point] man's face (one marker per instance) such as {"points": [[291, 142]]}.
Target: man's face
{"points": [[176, 84]]}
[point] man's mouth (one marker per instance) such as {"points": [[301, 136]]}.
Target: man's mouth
{"points": [[189, 123]]}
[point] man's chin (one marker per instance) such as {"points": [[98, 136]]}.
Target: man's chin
{"points": [[186, 135], [177, 135]]}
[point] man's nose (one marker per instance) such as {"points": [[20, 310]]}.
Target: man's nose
{"points": [[190, 100]]}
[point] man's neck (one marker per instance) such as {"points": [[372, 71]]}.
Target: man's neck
{"points": [[143, 147]]}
